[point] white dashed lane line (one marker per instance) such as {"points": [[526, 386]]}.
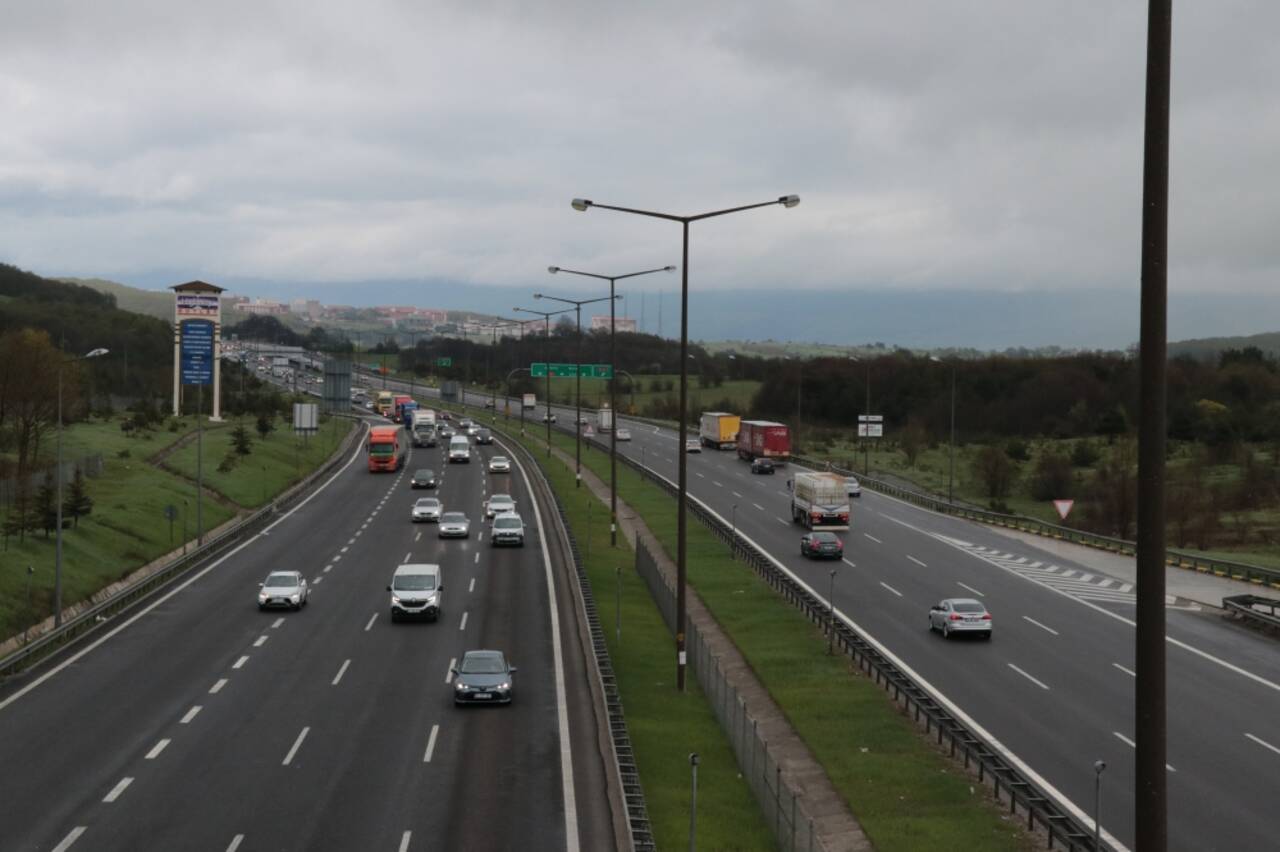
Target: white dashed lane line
{"points": [[120, 787], [1263, 743], [217, 687], [847, 562], [277, 622], [917, 561], [1131, 744], [891, 588], [341, 671], [873, 538], [462, 625], [758, 506], [72, 837], [448, 676], [191, 714], [779, 520], [477, 559], [240, 662], [1129, 672], [1038, 683], [970, 588], [260, 641], [472, 587], [736, 494], [297, 744], [404, 841], [372, 619], [156, 749], [431, 743], [235, 843], [408, 556], [343, 550], [1043, 627]]}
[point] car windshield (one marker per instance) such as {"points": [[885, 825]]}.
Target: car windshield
{"points": [[824, 537], [498, 460], [507, 523], [423, 474], [968, 606], [414, 583], [453, 518], [500, 498], [483, 665], [428, 503], [282, 579]]}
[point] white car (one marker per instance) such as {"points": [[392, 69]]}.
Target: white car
{"points": [[283, 589], [499, 464], [454, 525], [624, 435], [851, 486], [499, 503], [427, 509], [960, 615], [693, 445], [508, 528]]}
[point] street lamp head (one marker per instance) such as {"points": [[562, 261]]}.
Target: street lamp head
{"points": [[1099, 765], [668, 269], [785, 201], [580, 203], [95, 353], [553, 269], [537, 295]]}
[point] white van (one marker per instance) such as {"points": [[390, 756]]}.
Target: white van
{"points": [[459, 449], [416, 591]]}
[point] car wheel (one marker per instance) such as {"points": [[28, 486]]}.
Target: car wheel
{"points": [[946, 631], [395, 616], [931, 627], [261, 608], [987, 636]]}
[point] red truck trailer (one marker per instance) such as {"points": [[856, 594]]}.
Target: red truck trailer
{"points": [[386, 448], [764, 439], [397, 406]]}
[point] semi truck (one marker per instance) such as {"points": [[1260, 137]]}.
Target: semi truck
{"points": [[764, 439], [719, 429], [605, 419], [819, 501], [398, 402], [449, 391], [528, 401], [386, 399], [421, 424], [385, 448]]}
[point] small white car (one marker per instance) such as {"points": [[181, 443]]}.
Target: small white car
{"points": [[508, 528], [427, 509], [693, 445], [624, 434], [851, 486], [499, 503], [286, 589], [499, 464], [960, 615], [454, 525]]}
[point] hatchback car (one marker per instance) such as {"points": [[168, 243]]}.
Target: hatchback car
{"points": [[417, 591], [423, 478], [483, 436], [499, 503], [851, 486], [508, 528], [499, 464], [427, 509], [286, 589], [483, 677], [624, 435], [445, 431], [960, 615], [693, 445], [548, 418], [454, 525], [821, 545], [762, 466]]}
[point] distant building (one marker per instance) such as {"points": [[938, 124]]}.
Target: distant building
{"points": [[306, 307], [620, 324], [262, 307]]}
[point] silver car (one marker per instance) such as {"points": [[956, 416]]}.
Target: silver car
{"points": [[483, 677], [960, 615], [851, 486], [497, 504], [286, 589], [508, 528], [427, 509], [454, 525], [499, 464]]}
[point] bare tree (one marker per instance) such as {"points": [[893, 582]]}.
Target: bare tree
{"points": [[995, 471]]}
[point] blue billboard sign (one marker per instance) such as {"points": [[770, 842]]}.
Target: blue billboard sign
{"points": [[196, 363]]}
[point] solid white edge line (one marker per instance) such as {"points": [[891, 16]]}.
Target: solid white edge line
{"points": [[72, 836], [1043, 627], [118, 790], [297, 744], [1038, 683], [354, 455], [1263, 743], [404, 841], [81, 653], [1004, 751], [431, 744], [235, 843], [566, 746], [156, 749], [341, 671]]}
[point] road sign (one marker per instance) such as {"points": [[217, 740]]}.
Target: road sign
{"points": [[870, 430], [444, 362], [870, 418], [171, 512], [568, 371], [196, 361], [1063, 507], [600, 371]]}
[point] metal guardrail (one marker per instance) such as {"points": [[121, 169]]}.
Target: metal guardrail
{"points": [[1249, 608], [84, 623], [1221, 567]]}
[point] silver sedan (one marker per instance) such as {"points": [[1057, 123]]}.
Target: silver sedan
{"points": [[454, 525], [960, 615]]}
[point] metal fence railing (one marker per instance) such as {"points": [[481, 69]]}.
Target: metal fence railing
{"points": [[1180, 558], [93, 617], [1251, 608], [781, 803]]}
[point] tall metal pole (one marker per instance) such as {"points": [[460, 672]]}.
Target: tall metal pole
{"points": [[57, 559], [799, 385], [951, 467], [1098, 766], [866, 441], [682, 574], [577, 423], [199, 466], [693, 804], [1150, 723], [613, 412], [546, 342]]}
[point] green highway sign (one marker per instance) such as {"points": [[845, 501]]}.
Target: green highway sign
{"points": [[600, 371], [569, 371], [444, 362]]}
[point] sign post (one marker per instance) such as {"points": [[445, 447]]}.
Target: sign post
{"points": [[870, 425], [197, 342]]}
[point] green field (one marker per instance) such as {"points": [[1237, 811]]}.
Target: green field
{"points": [[127, 527]]}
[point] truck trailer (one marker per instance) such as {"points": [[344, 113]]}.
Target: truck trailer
{"points": [[764, 439], [719, 429], [605, 419], [819, 501], [528, 401]]}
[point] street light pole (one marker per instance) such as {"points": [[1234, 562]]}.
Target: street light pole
{"points": [[613, 383], [831, 614], [546, 339], [682, 493], [57, 552], [1098, 767]]}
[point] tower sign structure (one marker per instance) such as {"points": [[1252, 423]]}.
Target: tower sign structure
{"points": [[197, 341]]}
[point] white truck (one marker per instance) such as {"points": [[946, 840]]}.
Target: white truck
{"points": [[606, 419], [819, 501], [528, 401]]}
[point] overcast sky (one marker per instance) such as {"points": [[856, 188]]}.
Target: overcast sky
{"points": [[936, 145]]}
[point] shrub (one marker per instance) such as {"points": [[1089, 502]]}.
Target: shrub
{"points": [[1018, 450], [1084, 453]]}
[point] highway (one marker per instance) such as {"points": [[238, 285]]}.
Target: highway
{"points": [[199, 722], [1054, 688]]}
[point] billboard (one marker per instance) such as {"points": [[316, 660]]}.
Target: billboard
{"points": [[197, 305], [195, 363]]}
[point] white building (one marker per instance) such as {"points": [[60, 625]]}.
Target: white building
{"points": [[620, 323]]}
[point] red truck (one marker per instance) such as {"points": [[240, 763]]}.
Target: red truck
{"points": [[386, 448], [764, 439], [397, 406]]}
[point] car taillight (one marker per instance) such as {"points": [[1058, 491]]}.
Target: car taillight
{"points": [[817, 516], [955, 616], [844, 516], [986, 617]]}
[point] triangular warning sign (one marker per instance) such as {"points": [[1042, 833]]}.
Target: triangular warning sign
{"points": [[1063, 507]]}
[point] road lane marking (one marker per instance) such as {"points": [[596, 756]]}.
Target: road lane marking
{"points": [[417, 536], [479, 537], [372, 619], [477, 559], [316, 581], [297, 744], [873, 538], [120, 787], [758, 506], [1131, 744], [156, 749], [404, 841], [277, 622], [72, 836], [736, 494], [1126, 671], [341, 671], [1263, 743], [1038, 683], [408, 556], [847, 562], [328, 568], [351, 540], [235, 843], [448, 678], [891, 588], [358, 532], [779, 520], [431, 744], [716, 484], [700, 476], [463, 624], [336, 557], [343, 550], [240, 662], [260, 641], [917, 561], [191, 714], [472, 587], [970, 588], [1041, 626], [217, 687]]}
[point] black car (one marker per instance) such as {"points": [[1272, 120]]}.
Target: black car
{"points": [[424, 478], [762, 466], [819, 545], [484, 436], [483, 677]]}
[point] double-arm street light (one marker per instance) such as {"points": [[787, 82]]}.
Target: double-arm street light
{"points": [[613, 383], [583, 204], [577, 422], [546, 336], [57, 548]]}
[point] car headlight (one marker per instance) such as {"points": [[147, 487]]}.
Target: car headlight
{"points": [[503, 687], [295, 596], [262, 596], [459, 685], [395, 599]]}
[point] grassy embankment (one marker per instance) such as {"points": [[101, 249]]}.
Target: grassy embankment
{"points": [[127, 527]]}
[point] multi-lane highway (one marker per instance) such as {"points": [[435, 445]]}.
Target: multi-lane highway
{"points": [[199, 722], [1054, 688]]}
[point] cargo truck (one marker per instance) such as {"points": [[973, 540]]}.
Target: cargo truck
{"points": [[605, 419], [819, 501], [764, 439], [528, 401], [719, 429], [421, 423], [398, 403], [385, 448]]}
